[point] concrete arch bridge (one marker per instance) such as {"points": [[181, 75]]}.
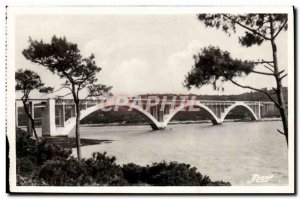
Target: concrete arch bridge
{"points": [[58, 115]]}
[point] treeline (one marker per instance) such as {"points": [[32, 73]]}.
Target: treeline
{"points": [[248, 96], [129, 118]]}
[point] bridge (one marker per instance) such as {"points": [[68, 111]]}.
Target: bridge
{"points": [[58, 115]]}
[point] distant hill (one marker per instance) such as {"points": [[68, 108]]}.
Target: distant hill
{"points": [[248, 96], [134, 118], [122, 116]]}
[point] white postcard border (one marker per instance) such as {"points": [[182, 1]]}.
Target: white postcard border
{"points": [[12, 12]]}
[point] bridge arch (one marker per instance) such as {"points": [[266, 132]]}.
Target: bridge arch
{"points": [[214, 119], [236, 105], [70, 124]]}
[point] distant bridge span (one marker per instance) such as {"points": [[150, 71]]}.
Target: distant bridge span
{"points": [[58, 116]]}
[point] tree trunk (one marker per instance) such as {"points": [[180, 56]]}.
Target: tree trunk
{"points": [[31, 120], [282, 108], [77, 130]]}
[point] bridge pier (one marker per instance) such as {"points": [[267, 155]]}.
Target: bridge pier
{"points": [[157, 113], [16, 114], [29, 124], [159, 116], [155, 127], [62, 112], [214, 122], [48, 118], [259, 110]]}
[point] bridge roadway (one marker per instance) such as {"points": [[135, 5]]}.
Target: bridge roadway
{"points": [[58, 115]]}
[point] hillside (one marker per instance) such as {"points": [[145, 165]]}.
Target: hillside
{"points": [[100, 117], [248, 96], [134, 118]]}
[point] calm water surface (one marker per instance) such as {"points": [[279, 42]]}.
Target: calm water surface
{"points": [[230, 152]]}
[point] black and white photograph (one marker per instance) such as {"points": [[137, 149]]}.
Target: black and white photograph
{"points": [[150, 99]]}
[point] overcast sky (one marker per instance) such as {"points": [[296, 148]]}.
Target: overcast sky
{"points": [[142, 53]]}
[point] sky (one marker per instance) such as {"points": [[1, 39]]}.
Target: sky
{"points": [[142, 54]]}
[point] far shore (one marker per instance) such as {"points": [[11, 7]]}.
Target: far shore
{"points": [[68, 142], [176, 122]]}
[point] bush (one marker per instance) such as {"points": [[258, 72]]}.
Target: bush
{"points": [[48, 151], [219, 183], [25, 166], [30, 181], [62, 172], [30, 155], [25, 146], [134, 174], [175, 174], [26, 150], [167, 174], [98, 170], [104, 170]]}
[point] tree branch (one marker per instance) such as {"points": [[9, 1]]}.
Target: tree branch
{"points": [[263, 25], [269, 68], [274, 90], [280, 29], [68, 77], [283, 76], [242, 25], [60, 96], [61, 89], [280, 72], [279, 131], [262, 73], [256, 89], [264, 62], [270, 64], [83, 78]]}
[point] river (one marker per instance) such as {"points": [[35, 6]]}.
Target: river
{"points": [[233, 151]]}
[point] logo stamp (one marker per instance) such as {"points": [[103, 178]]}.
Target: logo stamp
{"points": [[256, 178]]}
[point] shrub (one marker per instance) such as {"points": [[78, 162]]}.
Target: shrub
{"points": [[134, 174], [48, 151], [30, 155], [25, 166], [98, 170], [62, 172], [219, 183], [30, 181], [25, 146], [175, 174], [104, 170], [167, 174], [28, 148]]}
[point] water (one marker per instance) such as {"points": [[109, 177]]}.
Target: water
{"points": [[230, 152]]}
